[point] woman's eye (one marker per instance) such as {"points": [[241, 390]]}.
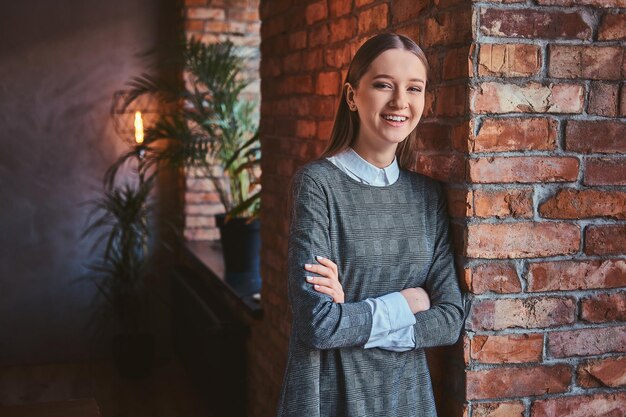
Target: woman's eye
{"points": [[381, 85], [415, 89]]}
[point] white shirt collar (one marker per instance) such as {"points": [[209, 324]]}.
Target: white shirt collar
{"points": [[366, 171]]}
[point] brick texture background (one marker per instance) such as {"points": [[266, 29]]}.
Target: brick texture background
{"points": [[525, 122], [545, 237]]}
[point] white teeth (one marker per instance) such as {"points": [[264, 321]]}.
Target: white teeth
{"points": [[395, 118]]}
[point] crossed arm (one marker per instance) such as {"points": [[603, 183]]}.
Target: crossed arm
{"points": [[322, 318]]}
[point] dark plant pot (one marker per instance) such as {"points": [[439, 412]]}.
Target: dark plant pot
{"points": [[241, 246], [133, 354]]}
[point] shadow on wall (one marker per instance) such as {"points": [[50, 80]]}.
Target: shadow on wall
{"points": [[59, 66]]}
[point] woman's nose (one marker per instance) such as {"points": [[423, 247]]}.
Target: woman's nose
{"points": [[399, 100]]}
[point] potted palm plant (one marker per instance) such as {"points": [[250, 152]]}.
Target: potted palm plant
{"points": [[212, 129], [119, 222]]}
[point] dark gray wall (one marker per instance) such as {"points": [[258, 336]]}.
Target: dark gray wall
{"points": [[60, 62]]}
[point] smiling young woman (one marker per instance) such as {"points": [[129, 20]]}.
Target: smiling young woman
{"points": [[371, 270]]}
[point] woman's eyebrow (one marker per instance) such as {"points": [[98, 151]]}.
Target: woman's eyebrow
{"points": [[390, 77]]}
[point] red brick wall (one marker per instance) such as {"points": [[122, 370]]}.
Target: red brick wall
{"points": [[217, 21], [545, 235]]}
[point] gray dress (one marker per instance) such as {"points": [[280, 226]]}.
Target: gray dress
{"points": [[383, 239]]}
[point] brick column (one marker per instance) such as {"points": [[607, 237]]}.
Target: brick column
{"points": [[546, 203]]}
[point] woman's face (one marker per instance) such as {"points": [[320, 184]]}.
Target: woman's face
{"points": [[389, 98]]}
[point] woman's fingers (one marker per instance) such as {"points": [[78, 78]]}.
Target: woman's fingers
{"points": [[327, 262], [328, 283], [325, 282], [320, 269]]}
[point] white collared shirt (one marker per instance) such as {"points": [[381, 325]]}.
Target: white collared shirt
{"points": [[358, 168]]}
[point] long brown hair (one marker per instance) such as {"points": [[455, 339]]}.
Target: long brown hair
{"points": [[346, 125]]}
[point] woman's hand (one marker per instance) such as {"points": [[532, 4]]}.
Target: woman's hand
{"points": [[417, 298], [329, 282]]}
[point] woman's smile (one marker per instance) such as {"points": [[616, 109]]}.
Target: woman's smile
{"points": [[395, 120]]}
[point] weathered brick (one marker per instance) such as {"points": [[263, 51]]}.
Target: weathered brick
{"points": [[375, 18], [404, 10], [312, 59], [500, 409], [217, 26], [515, 134], [586, 342], [582, 61], [199, 184], [456, 63], [194, 25], [444, 167], [200, 234], [503, 203], [609, 372], [597, 3], [339, 7], [494, 277], [412, 31], [272, 27], [535, 312], [521, 240], [328, 83], [612, 27], [199, 221], [316, 11], [523, 169], [292, 63], [580, 204], [306, 128], [605, 136], [576, 275], [533, 97], [512, 348], [448, 28], [460, 136], [605, 171], [297, 40], [603, 99], [195, 198], [451, 100], [205, 13], [337, 56], [318, 36], [603, 308], [605, 240], [433, 137], [324, 130], [459, 202], [533, 24], [246, 15], [343, 28], [598, 405], [517, 382], [509, 60]]}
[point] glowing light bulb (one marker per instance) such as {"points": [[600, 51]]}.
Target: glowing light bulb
{"points": [[138, 128]]}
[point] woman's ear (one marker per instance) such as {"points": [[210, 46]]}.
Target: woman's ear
{"points": [[350, 96]]}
